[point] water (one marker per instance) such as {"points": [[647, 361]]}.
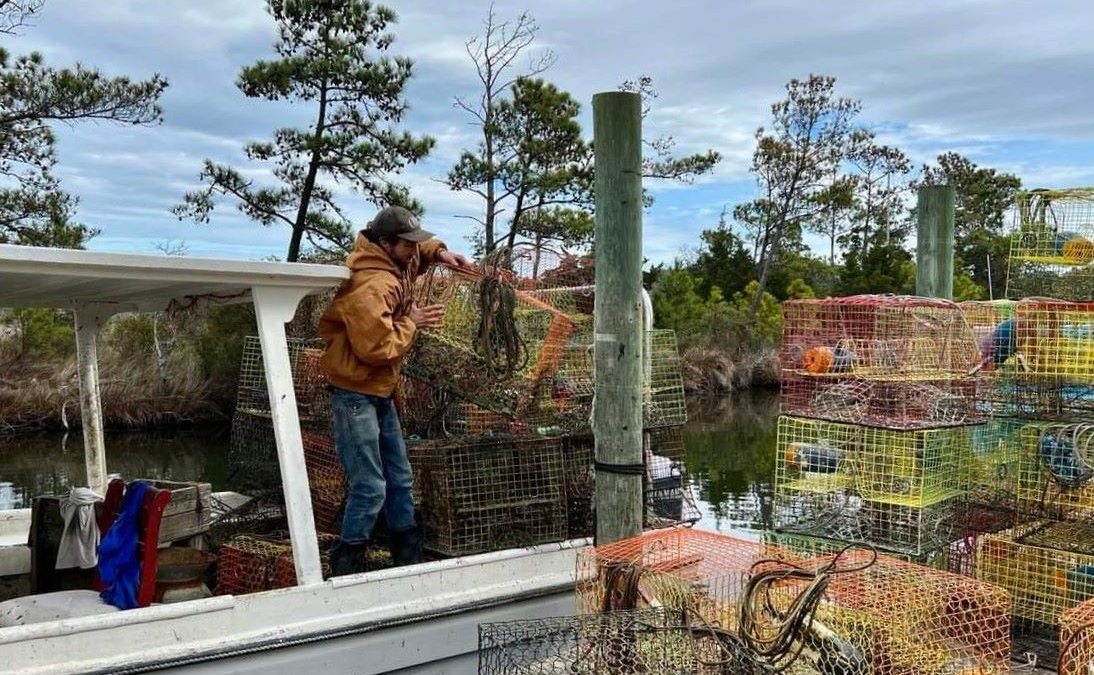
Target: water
{"points": [[729, 447], [45, 464]]}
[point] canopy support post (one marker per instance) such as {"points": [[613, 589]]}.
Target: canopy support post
{"points": [[274, 307], [90, 319]]}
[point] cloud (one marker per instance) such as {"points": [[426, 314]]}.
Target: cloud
{"points": [[997, 80]]}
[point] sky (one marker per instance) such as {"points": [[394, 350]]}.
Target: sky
{"points": [[1005, 83]]}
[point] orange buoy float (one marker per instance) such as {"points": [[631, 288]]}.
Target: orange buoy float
{"points": [[817, 359]]}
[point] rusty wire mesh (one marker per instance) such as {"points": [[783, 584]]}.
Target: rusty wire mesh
{"points": [[489, 495], [463, 356], [892, 361], [1077, 640], [251, 563], [878, 615]]}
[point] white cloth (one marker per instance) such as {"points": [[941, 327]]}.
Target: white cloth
{"points": [[79, 545]]}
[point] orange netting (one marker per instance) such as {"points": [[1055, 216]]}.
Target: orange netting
{"points": [[1077, 640]]}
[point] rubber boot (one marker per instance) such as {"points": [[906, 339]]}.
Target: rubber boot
{"points": [[347, 558], [405, 547]]}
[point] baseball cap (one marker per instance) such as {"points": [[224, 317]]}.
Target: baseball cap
{"points": [[399, 222]]}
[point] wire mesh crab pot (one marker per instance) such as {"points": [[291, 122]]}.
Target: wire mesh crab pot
{"points": [[993, 327], [1056, 480], [463, 356], [489, 495], [907, 530], [668, 498], [1040, 280], [1056, 340], [664, 402], [910, 468], [806, 546], [309, 381], [1047, 567], [616, 643], [886, 615], [893, 361], [889, 404], [1055, 344], [1077, 640], [995, 463], [1055, 227], [251, 564]]}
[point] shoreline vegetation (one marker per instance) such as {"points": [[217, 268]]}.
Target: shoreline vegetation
{"points": [[157, 372]]}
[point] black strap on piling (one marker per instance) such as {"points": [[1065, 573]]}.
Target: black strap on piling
{"points": [[620, 469]]}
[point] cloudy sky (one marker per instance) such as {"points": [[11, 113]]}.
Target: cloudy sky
{"points": [[1006, 83]]}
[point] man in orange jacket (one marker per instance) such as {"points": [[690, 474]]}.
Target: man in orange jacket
{"points": [[368, 329]]}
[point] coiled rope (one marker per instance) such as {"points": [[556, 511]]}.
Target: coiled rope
{"points": [[777, 637], [498, 337]]}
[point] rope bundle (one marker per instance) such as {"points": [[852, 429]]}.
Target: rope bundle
{"points": [[498, 337]]}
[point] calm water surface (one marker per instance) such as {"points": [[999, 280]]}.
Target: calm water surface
{"points": [[729, 446]]}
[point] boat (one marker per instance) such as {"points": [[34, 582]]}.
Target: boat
{"points": [[415, 619]]}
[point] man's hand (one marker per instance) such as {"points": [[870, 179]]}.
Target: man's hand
{"points": [[451, 259], [427, 317]]}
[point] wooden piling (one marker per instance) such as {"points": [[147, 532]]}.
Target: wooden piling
{"points": [[617, 407]]}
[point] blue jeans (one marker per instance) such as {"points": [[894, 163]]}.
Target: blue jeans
{"points": [[369, 439]]}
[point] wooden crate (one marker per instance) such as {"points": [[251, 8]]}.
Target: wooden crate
{"points": [[188, 513]]}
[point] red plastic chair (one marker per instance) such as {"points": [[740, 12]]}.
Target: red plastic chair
{"points": [[148, 529]]}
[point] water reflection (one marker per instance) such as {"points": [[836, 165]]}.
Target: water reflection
{"points": [[730, 456], [47, 464], [729, 443]]}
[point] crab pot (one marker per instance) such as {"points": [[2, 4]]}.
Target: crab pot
{"points": [[251, 564], [893, 616], [453, 357], [894, 361], [890, 404], [916, 468], [806, 546], [326, 480], [1055, 481], [664, 402], [489, 495], [309, 381], [620, 643], [1046, 566], [1045, 280], [1055, 343], [1056, 340], [1077, 640], [253, 466], [995, 464], [1055, 227], [908, 530]]}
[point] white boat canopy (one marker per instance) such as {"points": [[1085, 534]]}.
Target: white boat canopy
{"points": [[96, 286]]}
